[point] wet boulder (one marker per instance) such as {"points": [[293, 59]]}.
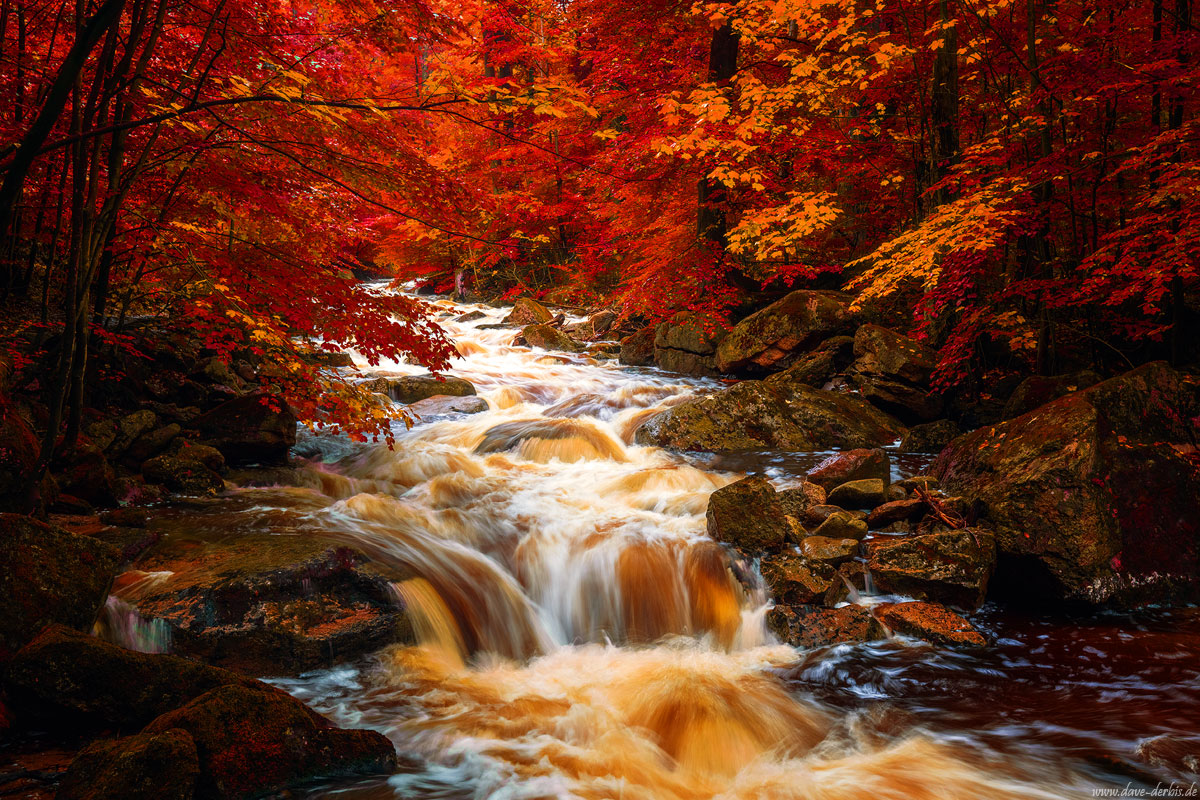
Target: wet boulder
{"points": [[123, 432], [687, 343], [771, 339], [64, 678], [253, 740], [413, 388], [1094, 496], [748, 515], [827, 550], [255, 428], [147, 766], [793, 579], [548, 338], [853, 465], [527, 311], [182, 474], [930, 622], [799, 501], [866, 493], [906, 510], [327, 358], [951, 567], [49, 575], [841, 525], [637, 349], [1037, 390], [754, 415], [930, 437], [267, 603], [445, 405], [806, 626]]}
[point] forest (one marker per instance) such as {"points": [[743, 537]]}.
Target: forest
{"points": [[373, 265]]}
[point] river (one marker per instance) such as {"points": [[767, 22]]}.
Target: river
{"points": [[581, 637]]}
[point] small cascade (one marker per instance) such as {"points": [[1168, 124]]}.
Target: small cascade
{"points": [[121, 623]]}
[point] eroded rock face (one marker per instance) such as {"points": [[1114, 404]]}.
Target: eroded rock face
{"points": [[772, 339], [49, 575], [813, 626], [820, 366], [930, 622], [952, 567], [748, 515], [413, 388], [252, 740], [754, 415], [255, 428], [1094, 496], [893, 371], [687, 344], [852, 465], [527, 311]]}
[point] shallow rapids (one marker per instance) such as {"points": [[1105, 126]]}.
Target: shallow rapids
{"points": [[580, 636]]}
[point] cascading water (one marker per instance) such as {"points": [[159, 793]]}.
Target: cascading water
{"points": [[579, 634]]}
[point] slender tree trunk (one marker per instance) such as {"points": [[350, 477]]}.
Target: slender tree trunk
{"points": [[722, 65]]}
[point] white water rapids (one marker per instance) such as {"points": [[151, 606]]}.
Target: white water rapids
{"points": [[580, 635]]}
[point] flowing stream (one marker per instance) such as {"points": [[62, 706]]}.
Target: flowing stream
{"points": [[581, 637]]}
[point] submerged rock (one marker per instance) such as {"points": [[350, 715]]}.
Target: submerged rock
{"points": [[413, 388], [439, 405], [772, 338], [1094, 496], [253, 740], [930, 622], [753, 415], [952, 567], [807, 626], [49, 575]]}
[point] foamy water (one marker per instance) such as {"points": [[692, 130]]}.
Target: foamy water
{"points": [[580, 636]]}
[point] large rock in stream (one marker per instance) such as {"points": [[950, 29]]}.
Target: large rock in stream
{"points": [[1094, 496], [893, 371], [49, 575], [687, 344], [770, 415], [772, 338], [289, 598], [252, 429]]}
